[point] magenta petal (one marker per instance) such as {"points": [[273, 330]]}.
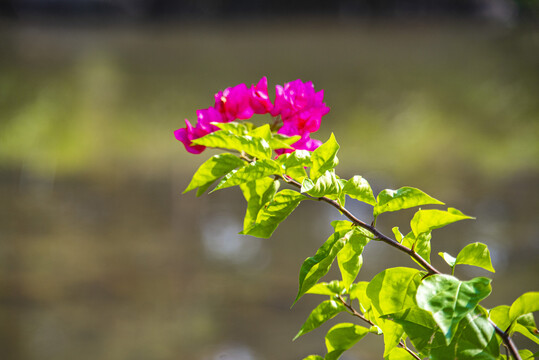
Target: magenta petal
{"points": [[185, 135]]}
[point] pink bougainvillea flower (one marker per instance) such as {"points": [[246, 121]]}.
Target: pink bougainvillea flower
{"points": [[305, 143], [259, 98], [189, 133], [298, 102], [207, 116], [233, 103]]}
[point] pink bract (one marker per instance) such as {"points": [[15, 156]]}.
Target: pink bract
{"points": [[233, 103], [299, 106], [189, 133]]}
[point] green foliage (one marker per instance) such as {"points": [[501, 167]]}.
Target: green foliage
{"points": [[438, 313], [213, 169], [324, 157], [403, 198], [322, 313], [273, 213], [342, 337], [450, 300]]}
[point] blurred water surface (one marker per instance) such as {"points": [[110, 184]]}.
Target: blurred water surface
{"points": [[102, 258]]}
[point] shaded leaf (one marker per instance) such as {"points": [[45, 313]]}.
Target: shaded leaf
{"points": [[475, 254], [358, 188], [212, 169], [273, 213], [322, 313], [450, 300], [342, 337], [477, 339], [403, 198], [324, 157]]}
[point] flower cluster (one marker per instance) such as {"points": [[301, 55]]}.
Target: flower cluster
{"points": [[300, 108]]}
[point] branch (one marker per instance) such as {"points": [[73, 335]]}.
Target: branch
{"points": [[378, 235]]}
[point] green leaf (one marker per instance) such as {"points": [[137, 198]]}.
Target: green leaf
{"points": [[397, 233], [477, 339], [322, 313], [252, 171], [394, 289], [315, 267], [450, 300], [263, 132], [327, 184], [212, 169], [235, 127], [287, 139], [500, 316], [350, 259], [526, 303], [399, 354], [421, 244], [324, 157], [420, 328], [428, 220], [403, 198], [450, 260], [358, 188], [342, 337], [298, 158], [334, 287], [359, 291], [257, 193], [526, 326], [254, 146], [273, 213], [314, 357], [475, 254]]}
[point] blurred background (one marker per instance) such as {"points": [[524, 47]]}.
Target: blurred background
{"points": [[101, 257]]}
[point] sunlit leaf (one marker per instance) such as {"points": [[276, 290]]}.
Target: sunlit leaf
{"points": [[342, 337], [273, 213], [420, 244], [399, 354], [235, 127], [358, 188], [450, 260], [334, 287], [314, 357], [250, 172], [394, 289], [214, 168], [500, 316], [475, 254], [525, 325], [450, 300], [359, 291], [257, 193], [397, 233], [403, 198], [526, 303], [350, 259], [315, 267], [254, 146], [322, 313], [287, 139], [327, 184], [324, 157], [428, 220]]}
